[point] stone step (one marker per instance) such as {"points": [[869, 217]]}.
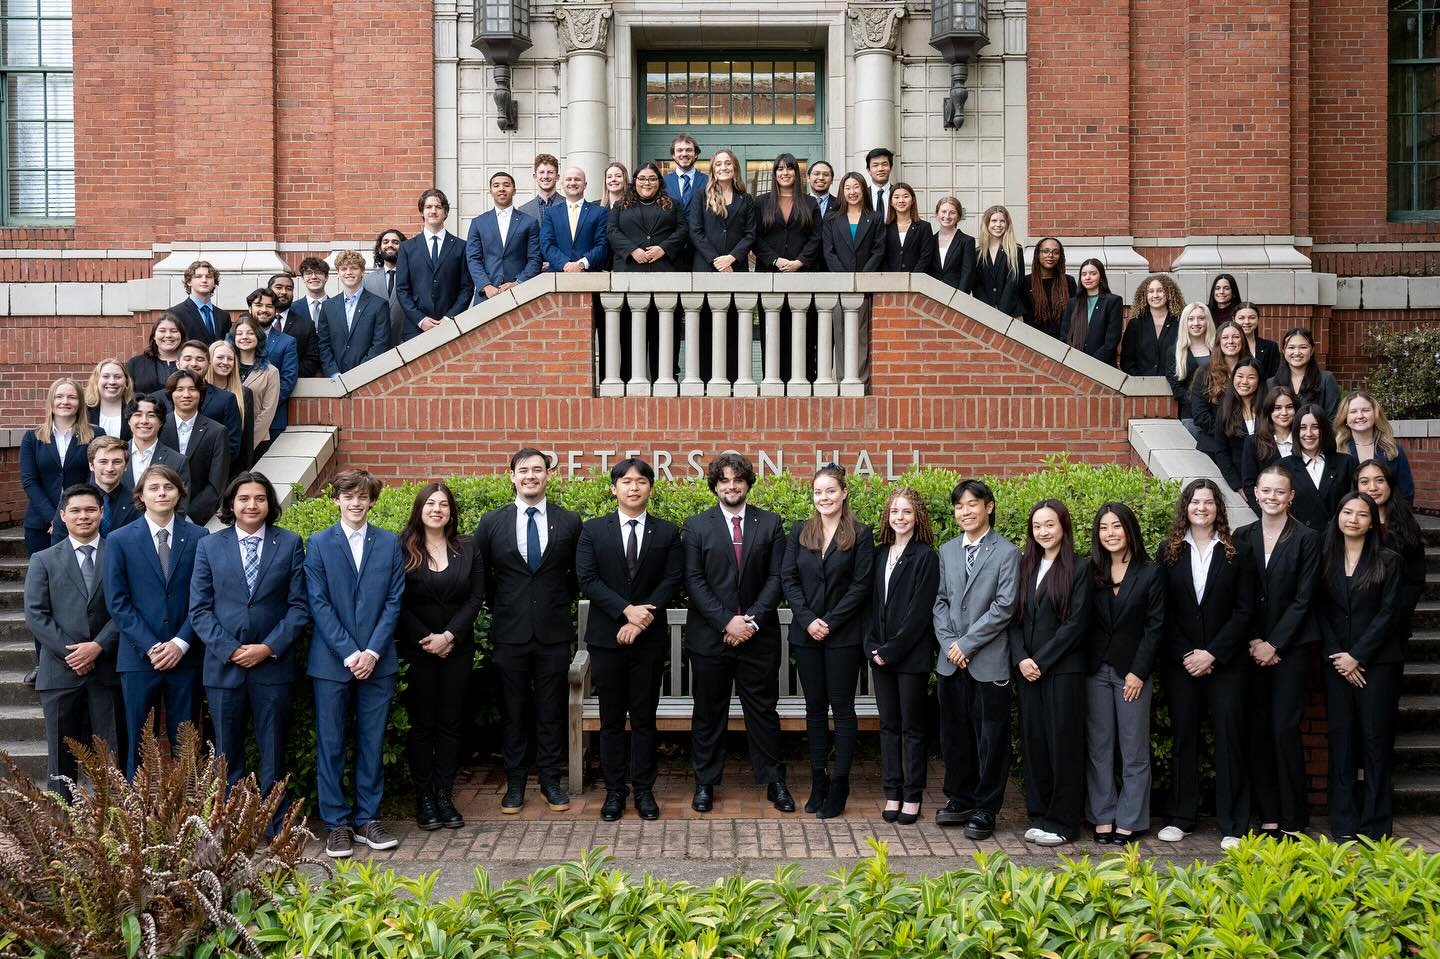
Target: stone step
{"points": [[14, 691], [12, 625], [1419, 713], [22, 724], [12, 596], [12, 568], [30, 755], [1417, 750], [1432, 561], [1427, 615], [1417, 792], [12, 542], [1432, 584], [17, 653], [1421, 678], [1424, 646]]}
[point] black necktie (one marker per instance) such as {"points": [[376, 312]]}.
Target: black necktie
{"points": [[880, 202], [632, 547], [390, 282]]}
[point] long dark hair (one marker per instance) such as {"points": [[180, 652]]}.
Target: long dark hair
{"points": [[1049, 305], [1218, 376], [843, 207], [1079, 311], [1134, 544], [770, 216], [1231, 412], [812, 535], [412, 538], [1234, 295], [1056, 587], [1370, 571], [1327, 432], [1310, 379], [1181, 524], [152, 349], [890, 215], [1265, 430], [632, 196], [1402, 532]]}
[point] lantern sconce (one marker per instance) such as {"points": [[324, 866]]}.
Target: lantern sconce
{"points": [[502, 33], [957, 30]]}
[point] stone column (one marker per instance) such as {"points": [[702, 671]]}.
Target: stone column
{"points": [[584, 31], [874, 32]]}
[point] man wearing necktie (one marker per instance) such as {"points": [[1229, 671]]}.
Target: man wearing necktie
{"points": [[528, 549], [878, 163], [432, 279], [686, 181], [108, 464], [202, 319], [382, 280], [573, 236], [354, 323]]}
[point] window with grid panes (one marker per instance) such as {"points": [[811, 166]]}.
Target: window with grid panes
{"points": [[37, 113], [1413, 152]]}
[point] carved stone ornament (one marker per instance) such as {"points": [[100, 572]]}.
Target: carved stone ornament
{"points": [[584, 27], [875, 26]]}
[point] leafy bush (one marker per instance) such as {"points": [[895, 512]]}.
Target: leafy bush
{"points": [[1405, 380]]}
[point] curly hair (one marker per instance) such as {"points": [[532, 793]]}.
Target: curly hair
{"points": [[1174, 299], [924, 529]]}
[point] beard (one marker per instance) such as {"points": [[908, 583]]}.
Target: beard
{"points": [[389, 256]]}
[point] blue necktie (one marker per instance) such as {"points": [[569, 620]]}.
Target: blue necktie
{"points": [[685, 189], [532, 539], [252, 561], [209, 317], [434, 251]]}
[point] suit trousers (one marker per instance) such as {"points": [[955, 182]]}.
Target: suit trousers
{"points": [[753, 671], [269, 708], [974, 739], [1362, 738], [435, 699], [178, 690], [900, 699], [1224, 691], [627, 683], [1275, 702], [1110, 722], [335, 703], [1052, 739], [534, 691], [79, 713], [828, 676]]}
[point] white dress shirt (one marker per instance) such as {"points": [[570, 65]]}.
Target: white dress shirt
{"points": [[625, 529], [169, 529], [62, 439], [140, 459], [1285, 447], [356, 539], [502, 222], [111, 424], [522, 522], [1315, 466], [241, 536], [1045, 565], [1200, 564], [182, 431]]}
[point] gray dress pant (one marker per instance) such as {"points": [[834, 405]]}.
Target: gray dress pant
{"points": [[1111, 721]]}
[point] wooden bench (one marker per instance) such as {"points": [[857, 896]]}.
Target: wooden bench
{"points": [[676, 705]]}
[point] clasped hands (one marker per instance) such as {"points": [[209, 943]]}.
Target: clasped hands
{"points": [[647, 254], [1199, 663], [439, 644], [1349, 667], [637, 619], [165, 655], [250, 655], [740, 629]]}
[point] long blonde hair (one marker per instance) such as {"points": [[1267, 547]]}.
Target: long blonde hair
{"points": [[1008, 245], [714, 195], [82, 429], [92, 385], [1182, 341], [1384, 433], [231, 382]]}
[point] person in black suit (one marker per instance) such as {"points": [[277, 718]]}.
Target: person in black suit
{"points": [[818, 175], [147, 419], [1096, 316], [295, 320], [444, 590], [1047, 649], [1127, 623], [1272, 440], [954, 260], [201, 319], [528, 550], [826, 580], [1266, 352], [1047, 290], [216, 403], [787, 240], [1235, 418], [1208, 590], [432, 277], [201, 441], [852, 238], [1000, 262], [900, 645], [630, 566], [1366, 657], [1207, 386], [648, 233], [1147, 347], [354, 323], [733, 555], [722, 231], [1302, 373], [1322, 475], [1399, 533], [52, 459], [909, 241], [1282, 557], [149, 368]]}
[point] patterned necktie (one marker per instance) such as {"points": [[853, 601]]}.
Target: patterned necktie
{"points": [[970, 553], [252, 561], [162, 546], [87, 568], [737, 539], [532, 539], [632, 547]]}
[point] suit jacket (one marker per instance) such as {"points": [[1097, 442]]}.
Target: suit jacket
{"points": [[916, 254], [1142, 353], [957, 269], [1267, 355], [713, 236], [445, 289], [1033, 318], [161, 455], [227, 615], [698, 182], [529, 607], [189, 315], [494, 263], [1126, 628], [534, 207], [826, 204], [590, 242], [150, 606], [148, 375], [1325, 394], [208, 459], [59, 613], [343, 349], [787, 239], [1357, 620], [378, 283], [998, 285], [719, 589], [92, 413], [605, 578], [119, 507], [1037, 632], [1180, 387], [1285, 588], [1316, 506], [219, 405], [976, 611], [636, 227], [1404, 478], [864, 254], [900, 626], [447, 600], [834, 586], [353, 610], [1222, 622], [1227, 451], [300, 326], [283, 353], [1102, 335], [44, 477]]}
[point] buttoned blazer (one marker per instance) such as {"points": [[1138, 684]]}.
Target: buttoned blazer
{"points": [[976, 611], [208, 464], [916, 254], [1038, 632], [864, 254], [715, 236], [446, 289], [1316, 506], [788, 240], [59, 613], [900, 627], [529, 606], [637, 227], [44, 477], [194, 326], [834, 586], [1285, 588], [493, 263], [957, 269], [605, 577], [148, 605], [719, 589], [590, 242], [353, 610], [1223, 621], [344, 347], [1357, 619]]}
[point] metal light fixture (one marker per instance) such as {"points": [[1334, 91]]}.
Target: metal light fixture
{"points": [[502, 33], [957, 30]]}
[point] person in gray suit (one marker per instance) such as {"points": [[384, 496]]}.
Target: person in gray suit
{"points": [[384, 282], [978, 597], [65, 610]]}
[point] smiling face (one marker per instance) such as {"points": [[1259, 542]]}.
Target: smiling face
{"points": [[1360, 415], [1246, 380], [948, 215], [1282, 417], [168, 337], [1298, 351], [997, 225], [1224, 294], [65, 404], [614, 180], [223, 360], [108, 466], [252, 507], [732, 489], [1156, 296], [1231, 341], [245, 338], [972, 514], [827, 496], [854, 192], [1045, 527], [647, 184], [159, 496], [632, 491], [81, 516], [1274, 493], [785, 175], [546, 177], [354, 506], [573, 183], [1309, 434], [284, 289], [435, 514], [1248, 320], [1200, 512], [1112, 536], [502, 189], [530, 476], [820, 176], [1371, 481], [879, 168], [112, 382], [722, 167], [1048, 255], [901, 517], [1090, 278], [1195, 323], [1354, 519], [194, 359], [186, 398], [144, 421], [902, 200], [683, 152]]}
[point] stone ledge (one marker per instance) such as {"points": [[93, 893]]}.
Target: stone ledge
{"points": [[1416, 429], [1168, 451]]}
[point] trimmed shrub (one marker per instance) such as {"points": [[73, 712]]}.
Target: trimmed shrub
{"points": [[1404, 380]]}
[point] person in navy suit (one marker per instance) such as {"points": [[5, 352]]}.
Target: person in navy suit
{"points": [[432, 278], [355, 574], [503, 247], [247, 604], [685, 182], [201, 318], [215, 403], [52, 459], [354, 323], [584, 246], [148, 566], [108, 457]]}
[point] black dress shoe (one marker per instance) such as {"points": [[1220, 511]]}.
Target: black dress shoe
{"points": [[953, 813], [555, 797], [704, 800], [450, 817], [779, 796], [835, 798], [1106, 838], [890, 815], [614, 806], [980, 825], [513, 799], [426, 816], [646, 806]]}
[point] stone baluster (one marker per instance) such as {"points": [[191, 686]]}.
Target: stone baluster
{"points": [[665, 385], [745, 384], [825, 383], [692, 384], [611, 384], [772, 385], [639, 383], [852, 385]]}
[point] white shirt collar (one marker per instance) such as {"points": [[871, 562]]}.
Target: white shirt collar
{"points": [[240, 534], [1209, 547], [154, 528], [76, 545], [974, 542], [729, 515], [521, 506], [430, 236]]}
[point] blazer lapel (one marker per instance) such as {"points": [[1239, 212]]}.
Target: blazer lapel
{"points": [[97, 595], [72, 568], [177, 546], [365, 556], [985, 547], [267, 556]]}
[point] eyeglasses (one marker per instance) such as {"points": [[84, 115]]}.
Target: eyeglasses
{"points": [[647, 179]]}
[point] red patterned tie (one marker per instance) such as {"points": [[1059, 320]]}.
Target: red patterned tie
{"points": [[736, 537]]}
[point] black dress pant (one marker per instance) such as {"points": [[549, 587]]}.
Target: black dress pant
{"points": [[1052, 740], [900, 699], [1362, 738], [1274, 706], [533, 689], [435, 699], [828, 675], [974, 739], [753, 670], [1224, 691], [627, 682], [80, 713]]}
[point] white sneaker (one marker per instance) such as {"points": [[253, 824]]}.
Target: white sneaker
{"points": [[1230, 842], [1044, 838], [1032, 833], [1171, 834]]}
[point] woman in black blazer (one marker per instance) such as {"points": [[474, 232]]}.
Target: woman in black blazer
{"points": [[909, 241], [444, 587], [1365, 660], [1266, 352], [787, 236], [722, 231], [1283, 559], [1047, 290], [1047, 649], [1147, 348], [108, 393], [900, 644], [1208, 592], [852, 237], [52, 458], [1302, 373], [1208, 385], [954, 260], [1127, 620], [647, 230], [1322, 475], [1400, 534], [1234, 421], [149, 370], [1096, 316], [826, 578], [1193, 347], [1273, 439], [999, 264]]}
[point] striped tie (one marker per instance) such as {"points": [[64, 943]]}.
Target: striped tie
{"points": [[252, 561]]}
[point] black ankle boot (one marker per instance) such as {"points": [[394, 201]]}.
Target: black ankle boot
{"points": [[426, 816], [445, 809], [835, 800], [819, 788]]}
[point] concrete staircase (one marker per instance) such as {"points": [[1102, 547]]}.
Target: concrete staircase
{"points": [[1417, 742], [22, 727]]}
